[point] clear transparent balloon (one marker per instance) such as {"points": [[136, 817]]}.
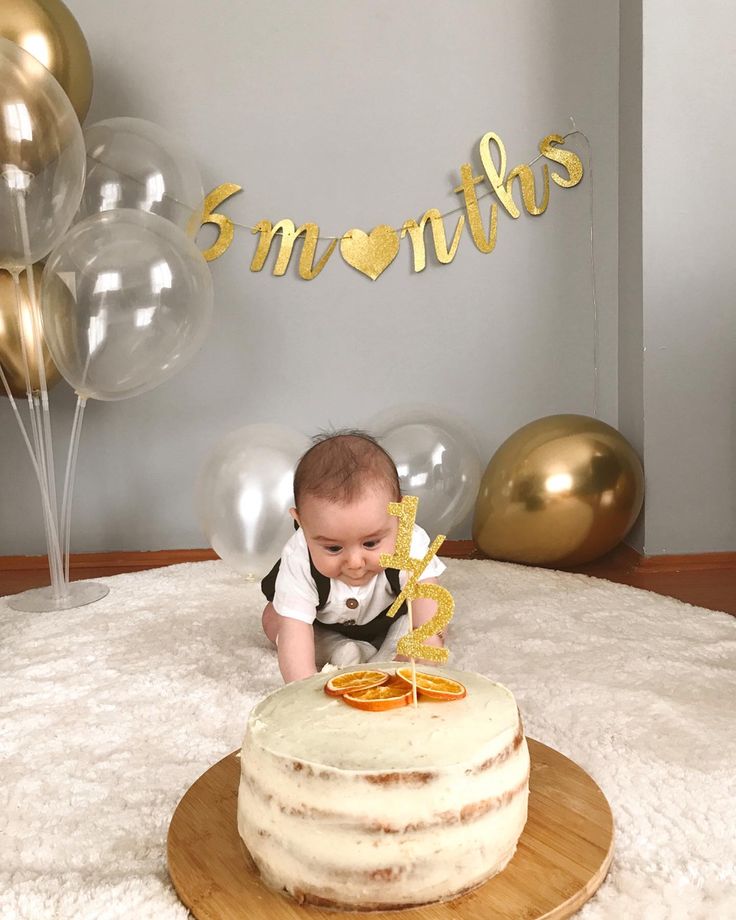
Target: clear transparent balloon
{"points": [[133, 163], [437, 459], [244, 494], [141, 303], [42, 159]]}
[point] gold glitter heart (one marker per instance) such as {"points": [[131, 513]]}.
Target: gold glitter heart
{"points": [[372, 252]]}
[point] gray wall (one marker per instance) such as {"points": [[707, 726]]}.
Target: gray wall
{"points": [[630, 297], [677, 323], [689, 275], [352, 114]]}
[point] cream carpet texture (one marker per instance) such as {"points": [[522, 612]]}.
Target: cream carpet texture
{"points": [[110, 712]]}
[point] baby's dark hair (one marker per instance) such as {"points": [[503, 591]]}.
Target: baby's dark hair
{"points": [[341, 464]]}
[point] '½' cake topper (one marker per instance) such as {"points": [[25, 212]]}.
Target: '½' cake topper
{"points": [[413, 644]]}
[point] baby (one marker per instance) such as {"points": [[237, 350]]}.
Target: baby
{"points": [[328, 594]]}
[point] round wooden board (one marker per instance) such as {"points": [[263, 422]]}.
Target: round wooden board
{"points": [[562, 857]]}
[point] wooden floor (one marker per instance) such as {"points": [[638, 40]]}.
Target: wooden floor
{"points": [[706, 581], [711, 587]]}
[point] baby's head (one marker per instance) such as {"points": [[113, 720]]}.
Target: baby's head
{"points": [[342, 488]]}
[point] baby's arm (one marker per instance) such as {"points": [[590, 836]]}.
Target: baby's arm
{"points": [[296, 649]]}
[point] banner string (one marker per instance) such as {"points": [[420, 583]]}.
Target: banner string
{"points": [[444, 214], [253, 229], [593, 284]]}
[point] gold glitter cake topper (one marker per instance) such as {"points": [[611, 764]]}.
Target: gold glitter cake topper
{"points": [[413, 644]]}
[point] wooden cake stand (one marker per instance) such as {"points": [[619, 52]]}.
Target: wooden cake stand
{"points": [[562, 857]]}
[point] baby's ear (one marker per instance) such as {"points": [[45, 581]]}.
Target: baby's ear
{"points": [[295, 515]]}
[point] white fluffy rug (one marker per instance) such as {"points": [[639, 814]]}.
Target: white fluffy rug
{"points": [[110, 712]]}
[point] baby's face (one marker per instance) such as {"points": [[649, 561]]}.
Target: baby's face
{"points": [[346, 541]]}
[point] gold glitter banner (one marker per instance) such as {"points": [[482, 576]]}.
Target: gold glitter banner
{"points": [[371, 253]]}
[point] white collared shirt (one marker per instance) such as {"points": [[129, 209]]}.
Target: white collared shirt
{"points": [[296, 596]]}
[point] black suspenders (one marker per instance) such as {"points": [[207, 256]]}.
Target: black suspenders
{"points": [[368, 631]]}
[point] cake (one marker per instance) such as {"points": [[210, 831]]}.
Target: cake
{"points": [[361, 810]]}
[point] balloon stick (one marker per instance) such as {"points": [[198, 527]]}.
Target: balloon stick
{"points": [[69, 476], [413, 661], [52, 538], [39, 406], [41, 444]]}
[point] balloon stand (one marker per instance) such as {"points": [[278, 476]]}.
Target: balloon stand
{"points": [[60, 594], [76, 594], [124, 298]]}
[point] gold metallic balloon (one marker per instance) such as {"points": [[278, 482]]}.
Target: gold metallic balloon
{"points": [[48, 31], [561, 491], [11, 330]]}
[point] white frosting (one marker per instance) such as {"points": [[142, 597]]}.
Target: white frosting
{"points": [[374, 809]]}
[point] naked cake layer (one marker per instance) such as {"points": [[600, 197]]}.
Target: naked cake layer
{"points": [[378, 810]]}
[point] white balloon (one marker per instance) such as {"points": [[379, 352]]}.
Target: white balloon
{"points": [[244, 493], [437, 459]]}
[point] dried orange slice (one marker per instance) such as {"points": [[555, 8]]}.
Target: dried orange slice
{"points": [[391, 695], [355, 680], [434, 686]]}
